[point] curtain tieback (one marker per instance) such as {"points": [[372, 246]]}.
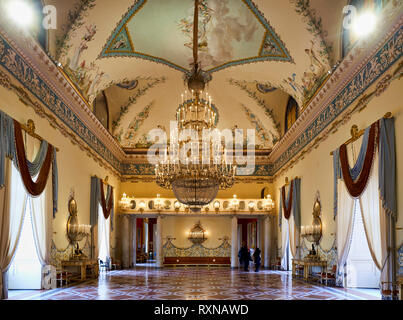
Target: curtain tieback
{"points": [[287, 206], [106, 208], [33, 188], [355, 188]]}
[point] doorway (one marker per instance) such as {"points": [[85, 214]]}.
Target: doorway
{"points": [[25, 270], [361, 269]]}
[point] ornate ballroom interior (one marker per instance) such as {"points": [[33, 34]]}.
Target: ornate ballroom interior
{"points": [[305, 97]]}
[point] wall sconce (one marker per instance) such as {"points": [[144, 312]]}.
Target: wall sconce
{"points": [[177, 206], [313, 233], [76, 232], [251, 206], [216, 205], [235, 203], [158, 202], [142, 206], [197, 234], [124, 201], [207, 209]]}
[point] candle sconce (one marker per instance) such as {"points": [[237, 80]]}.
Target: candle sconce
{"points": [[313, 233], [216, 206], [197, 234], [76, 232]]}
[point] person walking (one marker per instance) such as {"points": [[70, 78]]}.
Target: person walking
{"points": [[257, 259], [245, 256]]}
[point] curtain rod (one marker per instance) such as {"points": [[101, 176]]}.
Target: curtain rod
{"points": [[288, 182], [355, 134], [30, 129], [104, 181]]}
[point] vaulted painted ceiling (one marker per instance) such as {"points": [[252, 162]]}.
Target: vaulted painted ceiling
{"points": [[258, 53]]}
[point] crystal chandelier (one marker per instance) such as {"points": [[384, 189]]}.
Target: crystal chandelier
{"points": [[196, 182]]}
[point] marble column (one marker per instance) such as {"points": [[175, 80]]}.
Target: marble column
{"points": [[125, 236], [133, 241], [234, 242], [158, 240], [267, 236]]}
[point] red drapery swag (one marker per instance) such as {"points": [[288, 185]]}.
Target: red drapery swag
{"points": [[33, 188], [287, 207], [355, 188], [106, 209]]}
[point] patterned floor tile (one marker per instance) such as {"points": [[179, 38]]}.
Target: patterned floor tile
{"points": [[148, 283]]}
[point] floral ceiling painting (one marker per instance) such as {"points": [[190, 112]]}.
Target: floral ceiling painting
{"points": [[86, 76]]}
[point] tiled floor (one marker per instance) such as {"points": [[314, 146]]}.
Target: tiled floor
{"points": [[195, 284]]}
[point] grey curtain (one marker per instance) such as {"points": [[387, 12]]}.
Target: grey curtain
{"points": [[94, 200], [387, 166], [296, 204], [7, 147]]}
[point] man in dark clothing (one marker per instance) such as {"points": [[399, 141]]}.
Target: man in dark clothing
{"points": [[257, 259], [245, 256]]}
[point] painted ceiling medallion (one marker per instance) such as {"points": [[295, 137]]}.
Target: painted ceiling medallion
{"points": [[161, 31], [129, 85], [265, 88]]}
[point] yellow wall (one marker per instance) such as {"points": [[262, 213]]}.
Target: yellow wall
{"points": [[150, 190], [75, 168], [316, 170], [177, 227]]}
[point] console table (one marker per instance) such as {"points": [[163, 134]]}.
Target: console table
{"points": [[307, 264], [83, 264]]}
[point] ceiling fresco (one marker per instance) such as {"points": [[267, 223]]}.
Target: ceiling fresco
{"points": [[231, 32], [138, 51]]}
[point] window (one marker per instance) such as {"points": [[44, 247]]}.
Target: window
{"points": [[361, 269], [348, 37], [25, 270], [101, 109], [103, 235], [291, 113]]}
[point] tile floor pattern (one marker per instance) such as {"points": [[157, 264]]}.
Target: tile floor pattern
{"points": [[194, 284]]}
